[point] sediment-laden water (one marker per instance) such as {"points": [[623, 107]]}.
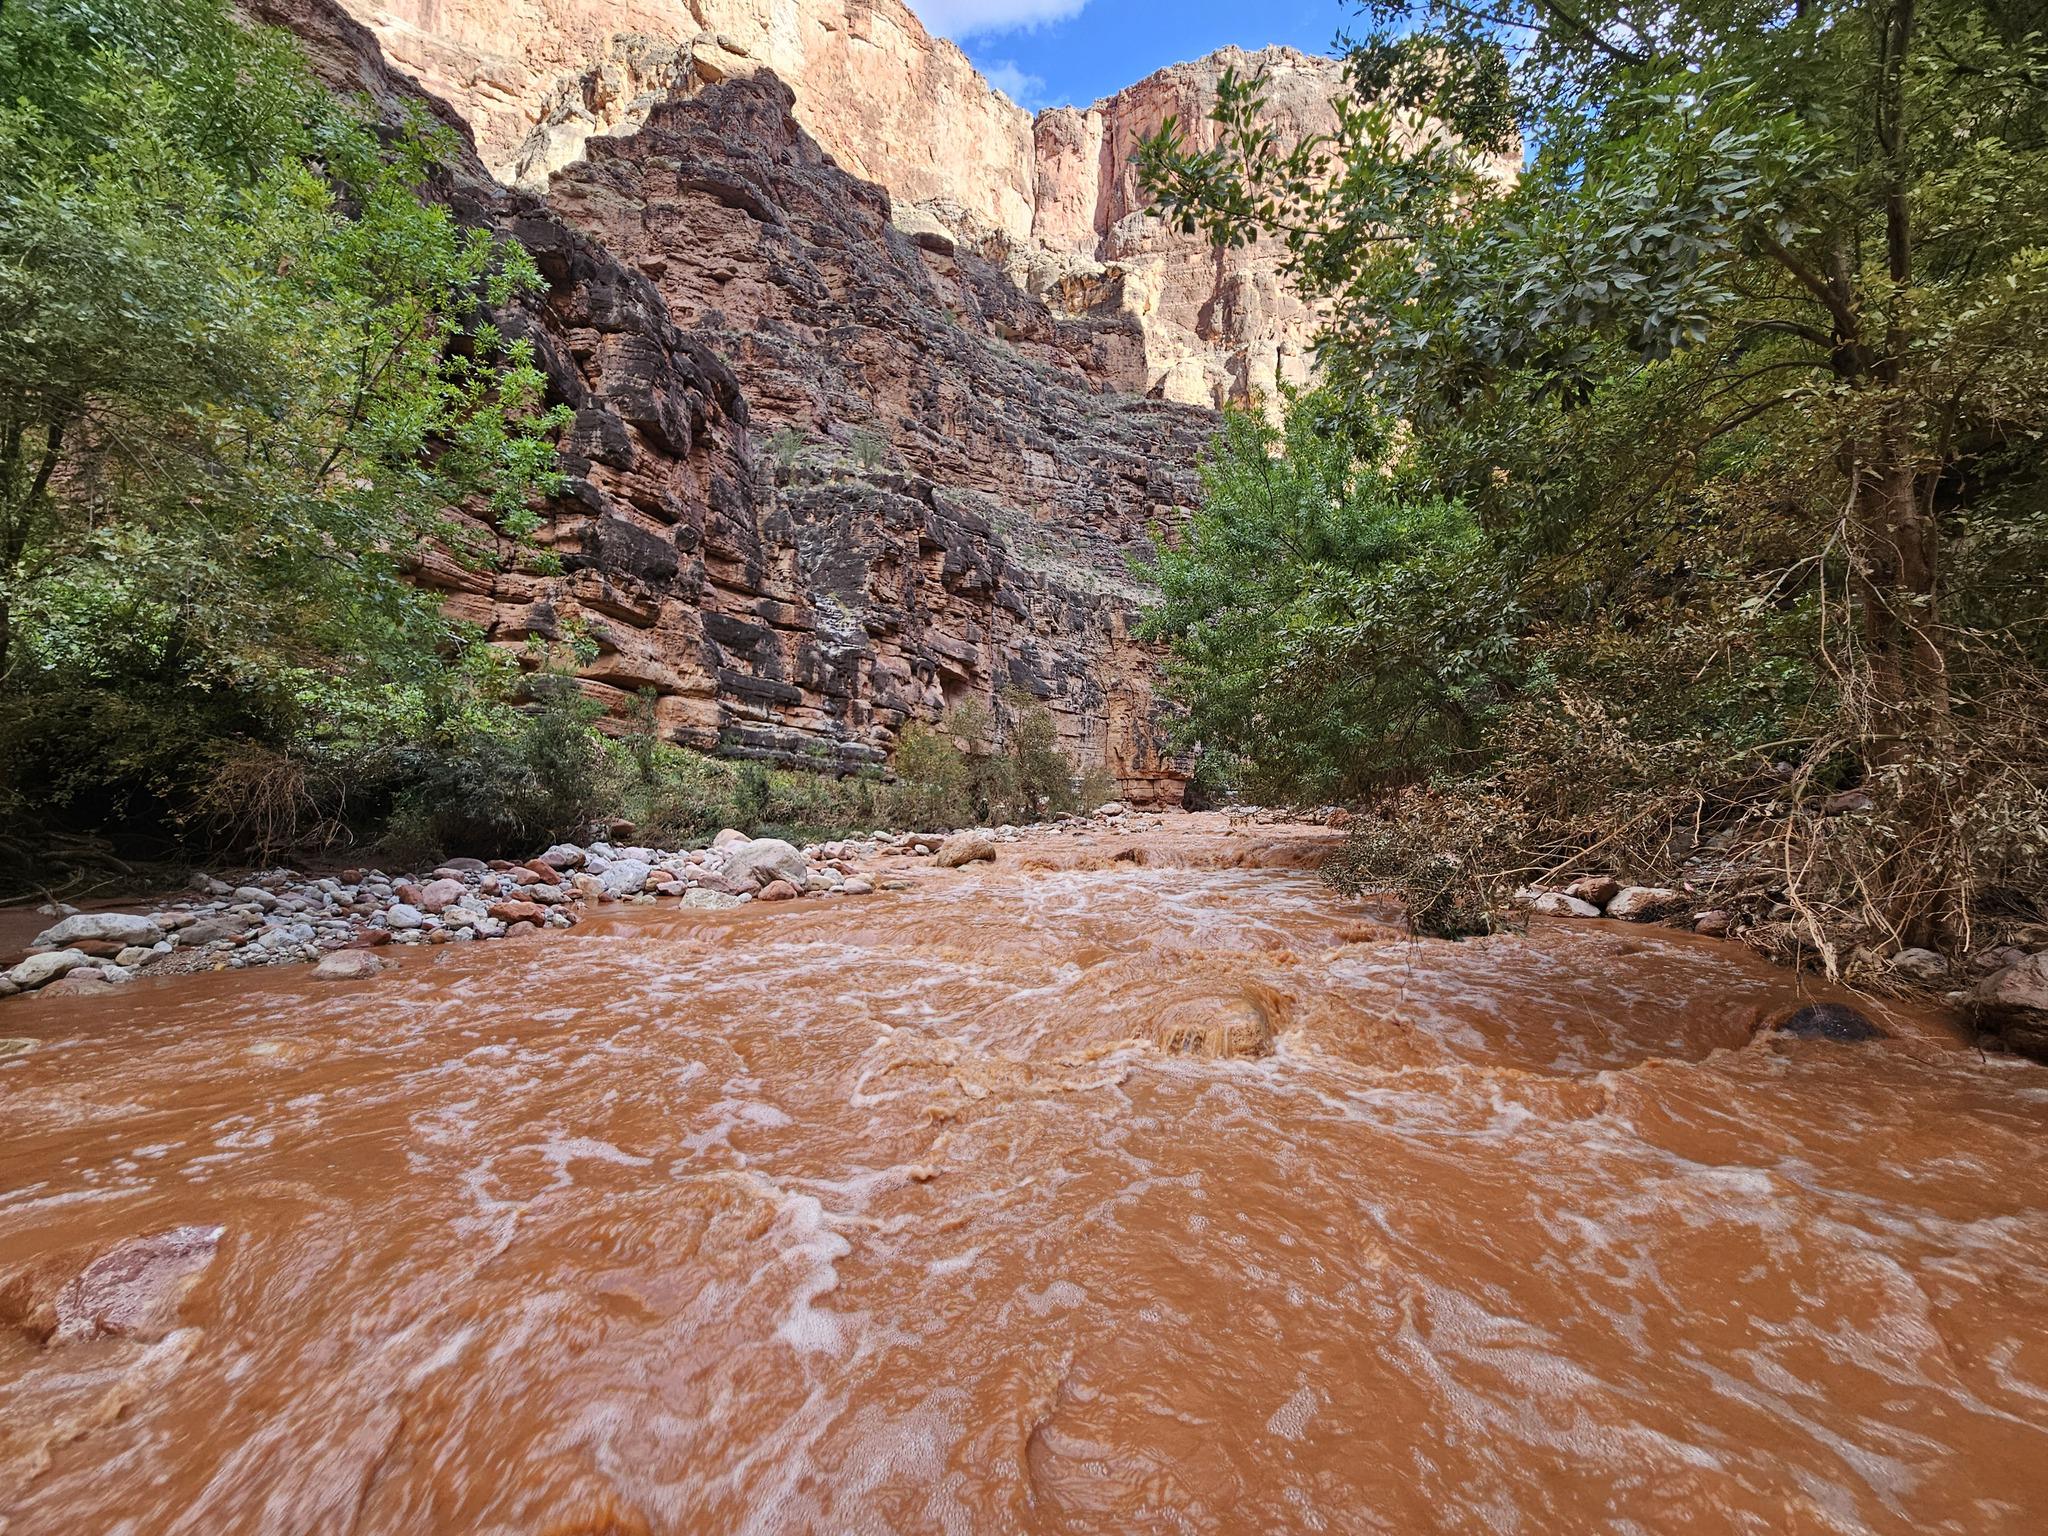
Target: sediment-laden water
{"points": [[939, 1212]]}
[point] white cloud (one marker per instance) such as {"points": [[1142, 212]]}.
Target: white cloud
{"points": [[1028, 91], [977, 18]]}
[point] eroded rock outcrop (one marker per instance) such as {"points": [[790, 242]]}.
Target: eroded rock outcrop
{"points": [[823, 477]]}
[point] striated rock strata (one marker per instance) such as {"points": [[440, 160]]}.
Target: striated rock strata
{"points": [[824, 477], [1053, 200]]}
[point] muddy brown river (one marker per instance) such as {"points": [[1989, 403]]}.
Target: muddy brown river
{"points": [[936, 1212]]}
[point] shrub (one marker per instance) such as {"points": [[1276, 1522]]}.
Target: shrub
{"points": [[870, 449], [502, 788]]}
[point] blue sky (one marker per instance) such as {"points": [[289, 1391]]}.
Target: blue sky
{"points": [[1045, 53]]}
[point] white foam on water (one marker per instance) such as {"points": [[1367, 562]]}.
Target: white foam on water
{"points": [[1290, 1420], [1059, 1295], [938, 1269]]}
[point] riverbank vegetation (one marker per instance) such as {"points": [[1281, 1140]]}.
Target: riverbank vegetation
{"points": [[251, 372], [1674, 503], [246, 370]]}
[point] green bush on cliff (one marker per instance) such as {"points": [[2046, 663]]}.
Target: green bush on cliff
{"points": [[246, 374]]}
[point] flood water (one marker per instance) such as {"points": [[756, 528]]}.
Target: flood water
{"points": [[929, 1212]]}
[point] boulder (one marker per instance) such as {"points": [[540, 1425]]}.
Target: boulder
{"points": [[464, 866], [728, 840], [562, 856], [120, 929], [403, 916], [1110, 808], [440, 895], [1714, 924], [1920, 965], [624, 877], [543, 871], [516, 911], [211, 930], [2013, 1004], [777, 890], [859, 885], [1826, 1021], [349, 965], [1638, 903], [764, 860], [256, 896], [41, 970], [1596, 890], [1562, 904], [967, 847]]}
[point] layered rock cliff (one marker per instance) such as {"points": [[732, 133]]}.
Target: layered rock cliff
{"points": [[824, 476], [1054, 200]]}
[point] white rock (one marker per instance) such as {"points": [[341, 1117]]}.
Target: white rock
{"points": [[401, 917], [1557, 904], [39, 970], [625, 877], [710, 901], [349, 965], [107, 927], [765, 860]]}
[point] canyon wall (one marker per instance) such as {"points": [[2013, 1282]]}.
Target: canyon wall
{"points": [[1053, 201], [823, 476]]}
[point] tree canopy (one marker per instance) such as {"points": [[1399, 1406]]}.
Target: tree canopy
{"points": [[1721, 320], [246, 369]]}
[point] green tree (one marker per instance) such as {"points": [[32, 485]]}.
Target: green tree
{"points": [[1746, 342], [247, 375], [1330, 632]]}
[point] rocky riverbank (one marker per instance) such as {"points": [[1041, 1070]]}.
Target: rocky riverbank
{"points": [[338, 922]]}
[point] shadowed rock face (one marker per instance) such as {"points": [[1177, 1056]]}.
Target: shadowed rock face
{"points": [[971, 482]]}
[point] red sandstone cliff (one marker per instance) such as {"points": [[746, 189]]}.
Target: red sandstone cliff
{"points": [[957, 475]]}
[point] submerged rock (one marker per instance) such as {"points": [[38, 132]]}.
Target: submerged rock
{"points": [[133, 1290], [1826, 1021], [1226, 1027]]}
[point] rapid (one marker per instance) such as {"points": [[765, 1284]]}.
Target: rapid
{"points": [[1129, 1184]]}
